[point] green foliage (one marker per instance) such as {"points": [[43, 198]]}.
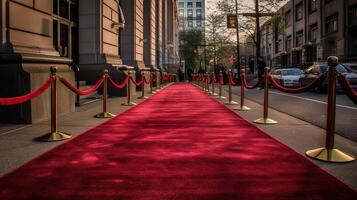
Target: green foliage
{"points": [[190, 41]]}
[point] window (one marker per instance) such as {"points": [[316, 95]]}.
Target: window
{"points": [[199, 13], [189, 4], [63, 9], [64, 28], [288, 43], [190, 23], [331, 24], [352, 15], [288, 19], [299, 12], [181, 4], [182, 13], [199, 4], [313, 33], [199, 23], [312, 6], [278, 46], [190, 13], [299, 39]]}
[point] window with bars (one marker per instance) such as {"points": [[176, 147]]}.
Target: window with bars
{"points": [[312, 6], [65, 19], [199, 14], [189, 13], [299, 39], [313, 33], [331, 24]]}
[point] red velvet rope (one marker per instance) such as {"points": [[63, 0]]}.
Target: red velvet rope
{"points": [[121, 85], [208, 79], [346, 86], [80, 92], [137, 83], [230, 77], [221, 79], [26, 97], [250, 87], [307, 88], [150, 80]]}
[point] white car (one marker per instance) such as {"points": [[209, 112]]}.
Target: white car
{"points": [[288, 77]]}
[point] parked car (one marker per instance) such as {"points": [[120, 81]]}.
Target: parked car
{"points": [[315, 71], [352, 67], [288, 77]]}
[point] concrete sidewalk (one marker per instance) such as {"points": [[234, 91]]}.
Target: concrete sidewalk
{"points": [[300, 136], [16, 141], [17, 146]]}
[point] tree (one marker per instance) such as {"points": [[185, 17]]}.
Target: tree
{"points": [[247, 25], [219, 39], [189, 41]]}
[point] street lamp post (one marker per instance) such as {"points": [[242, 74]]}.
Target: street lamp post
{"points": [[238, 50], [257, 28]]}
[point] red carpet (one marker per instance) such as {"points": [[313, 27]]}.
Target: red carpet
{"points": [[180, 144]]}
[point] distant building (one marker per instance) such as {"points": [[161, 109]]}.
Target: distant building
{"points": [[307, 31], [192, 14]]}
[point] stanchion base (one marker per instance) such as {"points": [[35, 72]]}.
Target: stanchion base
{"points": [[143, 97], [214, 94], [231, 103], [153, 92], [54, 137], [333, 155], [242, 108], [266, 121], [104, 115], [221, 97], [128, 104]]}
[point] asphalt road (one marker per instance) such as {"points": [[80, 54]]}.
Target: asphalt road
{"points": [[311, 107]]}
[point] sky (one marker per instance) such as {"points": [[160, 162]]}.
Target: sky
{"points": [[211, 4]]}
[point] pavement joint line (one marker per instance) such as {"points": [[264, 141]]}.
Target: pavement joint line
{"points": [[14, 130], [313, 100]]}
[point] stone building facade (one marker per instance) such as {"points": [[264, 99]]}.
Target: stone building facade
{"points": [[91, 34], [308, 31]]}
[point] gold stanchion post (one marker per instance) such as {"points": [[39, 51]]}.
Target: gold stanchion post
{"points": [[207, 83], [265, 120], [143, 88], [54, 135], [128, 102], [220, 86], [329, 153], [105, 113], [230, 101], [158, 81], [242, 107], [213, 85], [152, 83]]}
